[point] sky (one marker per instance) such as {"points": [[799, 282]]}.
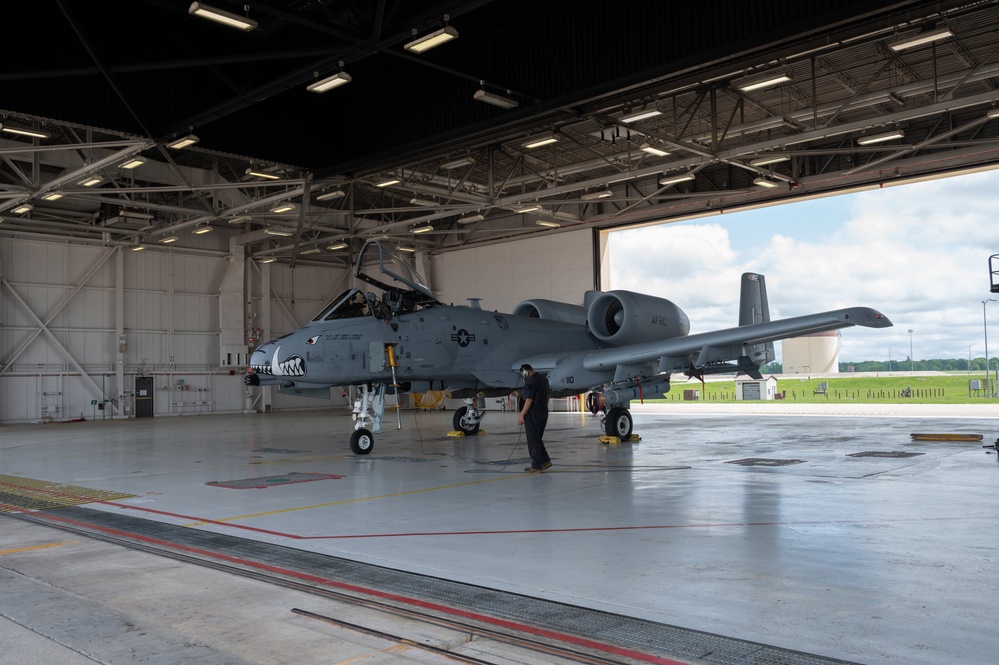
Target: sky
{"points": [[919, 253]]}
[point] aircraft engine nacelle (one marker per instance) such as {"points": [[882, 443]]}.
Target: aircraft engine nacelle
{"points": [[625, 317], [551, 310]]}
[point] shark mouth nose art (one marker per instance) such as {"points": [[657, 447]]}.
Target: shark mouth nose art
{"points": [[293, 366]]}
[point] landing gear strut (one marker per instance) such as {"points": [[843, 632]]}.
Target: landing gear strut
{"points": [[368, 409], [467, 418]]}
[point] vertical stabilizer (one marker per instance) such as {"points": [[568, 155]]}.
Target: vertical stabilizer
{"points": [[753, 308]]}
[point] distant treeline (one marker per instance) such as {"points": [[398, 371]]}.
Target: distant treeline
{"points": [[932, 365]]}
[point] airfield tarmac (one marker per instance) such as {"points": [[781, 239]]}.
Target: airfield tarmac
{"points": [[886, 557]]}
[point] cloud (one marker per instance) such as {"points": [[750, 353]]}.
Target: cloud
{"points": [[918, 252]]}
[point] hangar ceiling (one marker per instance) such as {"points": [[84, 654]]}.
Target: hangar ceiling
{"points": [[649, 110]]}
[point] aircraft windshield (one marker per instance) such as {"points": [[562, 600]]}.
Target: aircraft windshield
{"points": [[350, 304]]}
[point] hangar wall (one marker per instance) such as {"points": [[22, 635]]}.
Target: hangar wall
{"points": [[555, 267], [156, 312]]}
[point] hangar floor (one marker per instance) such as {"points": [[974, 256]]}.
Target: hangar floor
{"points": [[754, 522]]}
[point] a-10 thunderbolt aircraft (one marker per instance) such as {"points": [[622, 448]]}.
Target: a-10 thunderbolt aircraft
{"points": [[623, 343]]}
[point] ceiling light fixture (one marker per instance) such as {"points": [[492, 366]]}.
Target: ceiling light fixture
{"points": [[458, 163], [335, 246], [222, 16], [311, 250], [765, 80], [422, 229], [769, 159], [386, 183], [279, 232], [135, 214], [880, 138], [23, 208], [269, 259], [202, 230], [601, 194], [674, 179], [331, 194], [267, 175], [527, 207], [138, 248], [90, 181], [133, 163], [652, 150], [330, 82], [283, 207], [169, 239], [422, 202], [406, 248], [434, 39], [183, 142], [538, 141], [471, 219], [494, 99], [640, 115], [548, 223], [992, 114], [25, 131], [237, 220], [920, 39], [765, 183], [53, 196]]}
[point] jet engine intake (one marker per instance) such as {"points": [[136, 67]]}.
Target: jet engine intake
{"points": [[551, 310], [620, 318]]}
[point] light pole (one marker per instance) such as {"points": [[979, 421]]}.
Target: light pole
{"points": [[985, 322], [910, 350]]}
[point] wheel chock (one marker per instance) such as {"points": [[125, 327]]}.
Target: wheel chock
{"points": [[455, 434], [634, 438], [610, 439], [946, 437], [480, 432]]}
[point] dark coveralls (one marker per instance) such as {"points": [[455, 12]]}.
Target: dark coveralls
{"points": [[536, 388]]}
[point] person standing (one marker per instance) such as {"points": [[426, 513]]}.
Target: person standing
{"points": [[534, 417]]}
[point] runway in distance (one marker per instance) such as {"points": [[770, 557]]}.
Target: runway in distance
{"points": [[623, 343]]}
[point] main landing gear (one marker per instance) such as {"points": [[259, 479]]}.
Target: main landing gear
{"points": [[467, 418], [618, 423], [368, 410]]}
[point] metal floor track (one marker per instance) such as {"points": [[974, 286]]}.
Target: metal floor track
{"points": [[663, 640]]}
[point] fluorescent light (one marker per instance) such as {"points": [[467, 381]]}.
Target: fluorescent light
{"points": [[269, 259], [267, 175], [770, 159], [471, 219], [330, 82], [602, 194], [336, 246], [386, 183], [134, 214], [138, 248], [53, 196], [920, 39], [279, 232], [673, 179], [538, 141], [765, 80], [405, 248], [332, 194], [311, 250], [640, 115], [25, 131], [879, 138], [422, 229], [237, 220], [183, 142], [422, 202], [23, 208], [202, 230], [436, 38], [90, 181], [528, 207], [763, 182], [169, 239], [495, 100], [457, 163], [992, 114], [283, 207], [548, 223], [133, 163], [645, 147], [222, 16]]}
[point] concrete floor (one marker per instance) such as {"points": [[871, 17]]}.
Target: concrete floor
{"points": [[867, 559]]}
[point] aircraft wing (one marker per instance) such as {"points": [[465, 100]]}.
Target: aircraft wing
{"points": [[717, 344]]}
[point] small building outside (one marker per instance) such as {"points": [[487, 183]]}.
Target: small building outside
{"points": [[756, 389]]}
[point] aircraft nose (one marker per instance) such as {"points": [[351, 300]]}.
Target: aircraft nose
{"points": [[260, 359]]}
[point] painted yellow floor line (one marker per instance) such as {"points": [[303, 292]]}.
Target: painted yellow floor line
{"points": [[357, 500], [32, 548]]}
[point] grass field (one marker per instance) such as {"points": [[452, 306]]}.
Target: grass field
{"points": [[936, 388]]}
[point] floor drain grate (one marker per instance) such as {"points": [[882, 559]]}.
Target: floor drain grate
{"points": [[271, 481], [281, 451], [885, 453], [765, 461], [391, 458]]}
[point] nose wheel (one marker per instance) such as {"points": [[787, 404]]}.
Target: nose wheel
{"points": [[467, 418], [361, 442]]}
